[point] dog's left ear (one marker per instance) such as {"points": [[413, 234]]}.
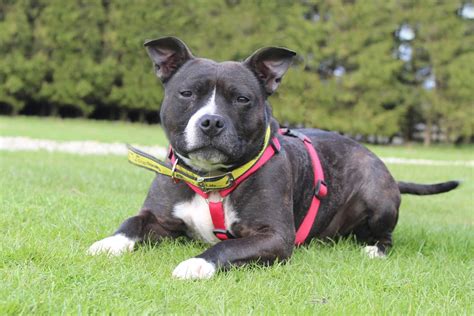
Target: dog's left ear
{"points": [[269, 65], [168, 54]]}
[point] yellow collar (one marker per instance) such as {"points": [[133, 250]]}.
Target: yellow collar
{"points": [[178, 172]]}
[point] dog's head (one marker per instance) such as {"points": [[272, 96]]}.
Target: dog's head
{"points": [[215, 115]]}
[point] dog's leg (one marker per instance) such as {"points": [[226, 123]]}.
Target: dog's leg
{"points": [[144, 226], [235, 252], [377, 232]]}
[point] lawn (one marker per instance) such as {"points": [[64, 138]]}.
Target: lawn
{"points": [[80, 129], [54, 205]]}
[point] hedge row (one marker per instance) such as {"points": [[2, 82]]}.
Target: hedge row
{"points": [[365, 67]]}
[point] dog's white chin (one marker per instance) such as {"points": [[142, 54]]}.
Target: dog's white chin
{"points": [[204, 162]]}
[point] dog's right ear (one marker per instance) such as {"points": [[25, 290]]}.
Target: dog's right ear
{"points": [[167, 54]]}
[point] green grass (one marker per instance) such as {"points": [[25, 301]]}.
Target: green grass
{"points": [[80, 129], [53, 206], [418, 151]]}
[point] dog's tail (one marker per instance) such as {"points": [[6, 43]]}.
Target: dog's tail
{"points": [[426, 189]]}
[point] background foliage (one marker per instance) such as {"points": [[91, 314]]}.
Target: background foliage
{"points": [[356, 73]]}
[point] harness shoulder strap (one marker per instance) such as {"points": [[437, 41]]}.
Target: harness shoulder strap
{"points": [[320, 187]]}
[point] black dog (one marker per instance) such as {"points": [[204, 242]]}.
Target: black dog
{"points": [[217, 118]]}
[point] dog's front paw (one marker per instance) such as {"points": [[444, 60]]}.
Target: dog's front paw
{"points": [[194, 268], [113, 246], [374, 252]]}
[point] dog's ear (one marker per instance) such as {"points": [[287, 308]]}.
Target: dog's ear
{"points": [[167, 54], [269, 65]]}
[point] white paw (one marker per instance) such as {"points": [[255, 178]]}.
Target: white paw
{"points": [[374, 252], [113, 245], [194, 268]]}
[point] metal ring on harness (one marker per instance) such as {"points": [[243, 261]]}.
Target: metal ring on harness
{"points": [[224, 232], [173, 170]]}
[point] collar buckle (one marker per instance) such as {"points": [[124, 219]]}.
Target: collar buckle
{"points": [[202, 182]]}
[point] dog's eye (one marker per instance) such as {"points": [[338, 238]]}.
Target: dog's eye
{"points": [[186, 93], [242, 99]]}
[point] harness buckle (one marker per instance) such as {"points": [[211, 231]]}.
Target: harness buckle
{"points": [[321, 190], [292, 133], [276, 149], [224, 232]]}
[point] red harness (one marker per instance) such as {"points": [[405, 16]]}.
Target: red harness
{"points": [[216, 209]]}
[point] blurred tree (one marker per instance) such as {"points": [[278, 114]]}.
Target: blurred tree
{"points": [[366, 68]]}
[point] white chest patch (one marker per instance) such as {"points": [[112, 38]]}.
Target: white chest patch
{"points": [[196, 215]]}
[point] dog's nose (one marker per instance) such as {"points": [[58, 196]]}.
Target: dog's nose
{"points": [[212, 125]]}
